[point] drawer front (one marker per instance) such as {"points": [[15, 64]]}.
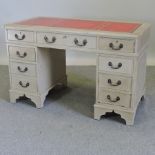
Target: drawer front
{"points": [[21, 36], [115, 82], [115, 65], [25, 84], [22, 53], [114, 98], [116, 45], [23, 68], [81, 41], [51, 38]]}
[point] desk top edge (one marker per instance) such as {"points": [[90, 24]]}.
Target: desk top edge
{"points": [[88, 26]]}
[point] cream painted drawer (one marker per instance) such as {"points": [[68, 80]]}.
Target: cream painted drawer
{"points": [[23, 68], [115, 64], [21, 36], [116, 45], [114, 82], [81, 41], [22, 83], [51, 38], [22, 53], [114, 98]]}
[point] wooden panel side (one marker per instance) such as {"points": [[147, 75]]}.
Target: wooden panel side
{"points": [[51, 67]]}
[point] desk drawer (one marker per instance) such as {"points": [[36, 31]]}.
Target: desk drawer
{"points": [[114, 98], [23, 68], [116, 45], [22, 53], [114, 82], [81, 41], [51, 38], [22, 83], [21, 36], [115, 65]]}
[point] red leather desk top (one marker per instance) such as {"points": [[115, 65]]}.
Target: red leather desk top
{"points": [[81, 24]]}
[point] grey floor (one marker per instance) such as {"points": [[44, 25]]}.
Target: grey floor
{"points": [[65, 125]]}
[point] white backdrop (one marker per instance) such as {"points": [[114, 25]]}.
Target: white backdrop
{"points": [[134, 10]]}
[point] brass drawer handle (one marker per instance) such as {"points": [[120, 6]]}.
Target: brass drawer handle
{"points": [[113, 67], [111, 45], [22, 71], [47, 40], [84, 42], [22, 37], [21, 56], [114, 84], [24, 86], [115, 100]]}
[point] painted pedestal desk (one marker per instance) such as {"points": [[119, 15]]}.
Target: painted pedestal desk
{"points": [[37, 62]]}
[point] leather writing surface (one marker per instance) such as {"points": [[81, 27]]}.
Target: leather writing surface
{"points": [[81, 24]]}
